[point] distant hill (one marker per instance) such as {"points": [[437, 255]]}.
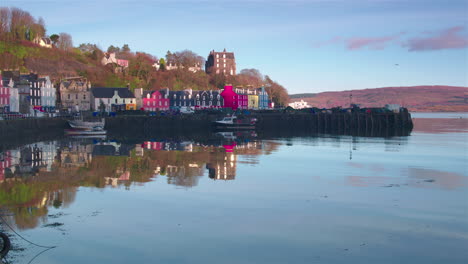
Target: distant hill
{"points": [[416, 98]]}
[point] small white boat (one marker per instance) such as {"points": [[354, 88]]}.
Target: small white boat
{"points": [[233, 122], [87, 125]]}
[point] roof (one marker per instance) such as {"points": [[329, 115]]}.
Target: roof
{"points": [[229, 55], [104, 92]]}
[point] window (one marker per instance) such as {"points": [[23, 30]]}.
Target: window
{"points": [[115, 100], [217, 65], [84, 96], [68, 96], [224, 55], [76, 96], [224, 65], [159, 103], [217, 55]]}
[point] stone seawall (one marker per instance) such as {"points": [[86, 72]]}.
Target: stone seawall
{"points": [[359, 124], [24, 131]]}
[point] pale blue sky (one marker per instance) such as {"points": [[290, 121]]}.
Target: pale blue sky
{"points": [[307, 46]]}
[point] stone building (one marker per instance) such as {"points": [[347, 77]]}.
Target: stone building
{"points": [[221, 63], [75, 94]]}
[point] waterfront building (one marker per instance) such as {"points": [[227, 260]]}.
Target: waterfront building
{"points": [[262, 98], [208, 99], [43, 94], [155, 100], [112, 99], [75, 94], [299, 104], [242, 97], [229, 97], [4, 97], [185, 98], [252, 99], [221, 63]]}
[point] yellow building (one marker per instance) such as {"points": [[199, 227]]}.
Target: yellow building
{"points": [[253, 99], [130, 107]]}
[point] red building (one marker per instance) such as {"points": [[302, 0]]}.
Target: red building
{"points": [[4, 97], [155, 100], [230, 97]]}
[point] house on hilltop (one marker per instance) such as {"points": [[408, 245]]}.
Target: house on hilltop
{"points": [[111, 57], [221, 63]]}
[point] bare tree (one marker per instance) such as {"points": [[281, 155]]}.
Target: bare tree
{"points": [[65, 41], [4, 22]]}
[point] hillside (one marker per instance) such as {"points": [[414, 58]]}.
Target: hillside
{"points": [[415, 98]]}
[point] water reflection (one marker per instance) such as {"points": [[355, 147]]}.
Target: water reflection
{"points": [[37, 176]]}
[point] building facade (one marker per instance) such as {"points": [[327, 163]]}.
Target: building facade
{"points": [[155, 101], [221, 63], [112, 99], [4, 97], [262, 98], [43, 95], [75, 95]]}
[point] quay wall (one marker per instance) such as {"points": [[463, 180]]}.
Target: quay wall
{"points": [[359, 124], [25, 131]]}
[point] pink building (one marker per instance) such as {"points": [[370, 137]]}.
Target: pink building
{"points": [[155, 100], [153, 145], [242, 98], [230, 97], [4, 97], [5, 162]]}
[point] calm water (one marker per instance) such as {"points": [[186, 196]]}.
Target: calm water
{"points": [[241, 199]]}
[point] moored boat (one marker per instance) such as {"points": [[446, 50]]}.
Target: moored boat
{"points": [[87, 125], [234, 122]]}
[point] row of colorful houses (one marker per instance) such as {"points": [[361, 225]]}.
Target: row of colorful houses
{"points": [[29, 94]]}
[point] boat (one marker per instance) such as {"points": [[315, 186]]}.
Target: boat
{"points": [[235, 123], [87, 125]]}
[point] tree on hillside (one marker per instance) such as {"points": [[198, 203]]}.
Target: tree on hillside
{"points": [[65, 41], [162, 64], [185, 58], [4, 22], [54, 38], [278, 94], [17, 24], [112, 49], [125, 48], [92, 51], [141, 66]]}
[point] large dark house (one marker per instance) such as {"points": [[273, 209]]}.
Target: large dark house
{"points": [[221, 63]]}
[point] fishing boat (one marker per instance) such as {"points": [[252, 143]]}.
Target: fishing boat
{"points": [[235, 123]]}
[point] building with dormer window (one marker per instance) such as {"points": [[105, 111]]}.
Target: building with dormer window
{"points": [[112, 99]]}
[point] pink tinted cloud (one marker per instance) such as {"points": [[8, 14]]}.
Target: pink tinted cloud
{"points": [[371, 43], [447, 39]]}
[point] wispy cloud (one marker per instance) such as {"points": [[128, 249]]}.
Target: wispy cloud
{"points": [[446, 39], [356, 43], [378, 43]]}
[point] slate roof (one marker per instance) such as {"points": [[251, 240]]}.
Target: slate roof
{"points": [[109, 92]]}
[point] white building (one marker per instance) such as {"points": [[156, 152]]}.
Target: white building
{"points": [[299, 105], [113, 99]]}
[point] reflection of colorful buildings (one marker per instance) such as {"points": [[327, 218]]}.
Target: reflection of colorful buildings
{"points": [[5, 162]]}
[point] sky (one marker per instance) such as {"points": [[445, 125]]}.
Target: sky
{"points": [[308, 46]]}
